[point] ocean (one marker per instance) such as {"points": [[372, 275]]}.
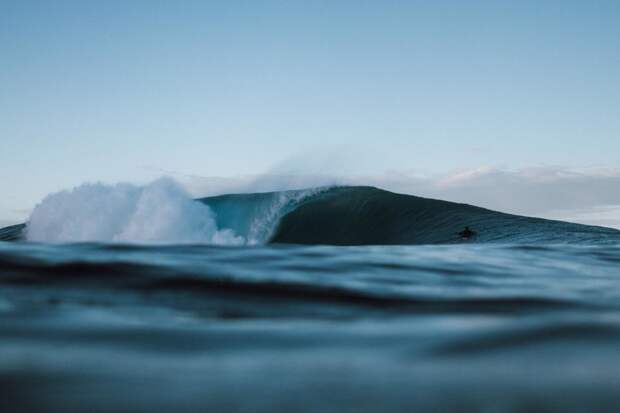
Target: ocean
{"points": [[348, 299]]}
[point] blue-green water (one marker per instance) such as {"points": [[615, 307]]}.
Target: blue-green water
{"points": [[451, 328]]}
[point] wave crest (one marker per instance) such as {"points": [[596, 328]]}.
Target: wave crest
{"points": [[159, 212]]}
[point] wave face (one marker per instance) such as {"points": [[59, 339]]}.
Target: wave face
{"points": [[162, 212], [371, 216]]}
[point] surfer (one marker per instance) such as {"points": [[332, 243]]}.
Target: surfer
{"points": [[467, 233]]}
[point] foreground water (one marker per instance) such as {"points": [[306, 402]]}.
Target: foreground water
{"points": [[454, 328]]}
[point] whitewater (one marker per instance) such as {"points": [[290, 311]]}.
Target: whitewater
{"points": [[137, 298]]}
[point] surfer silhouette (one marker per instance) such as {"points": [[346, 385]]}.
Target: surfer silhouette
{"points": [[467, 233]]}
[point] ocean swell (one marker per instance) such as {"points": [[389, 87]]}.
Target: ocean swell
{"points": [[163, 212]]}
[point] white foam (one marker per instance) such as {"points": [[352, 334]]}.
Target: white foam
{"points": [[160, 212]]}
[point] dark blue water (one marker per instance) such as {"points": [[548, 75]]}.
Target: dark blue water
{"points": [[466, 327], [348, 299]]}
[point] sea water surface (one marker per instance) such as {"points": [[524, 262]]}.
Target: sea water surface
{"points": [[493, 328], [330, 300]]}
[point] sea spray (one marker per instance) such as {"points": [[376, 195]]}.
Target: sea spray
{"points": [[159, 212]]}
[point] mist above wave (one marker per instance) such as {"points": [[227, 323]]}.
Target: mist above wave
{"points": [[161, 211]]}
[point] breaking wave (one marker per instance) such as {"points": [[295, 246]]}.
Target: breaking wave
{"points": [[163, 212], [158, 212]]}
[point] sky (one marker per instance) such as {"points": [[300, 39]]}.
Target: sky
{"points": [[504, 104]]}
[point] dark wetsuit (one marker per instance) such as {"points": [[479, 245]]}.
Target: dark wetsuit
{"points": [[467, 233]]}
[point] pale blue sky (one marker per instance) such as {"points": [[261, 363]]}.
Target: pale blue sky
{"points": [[115, 90]]}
